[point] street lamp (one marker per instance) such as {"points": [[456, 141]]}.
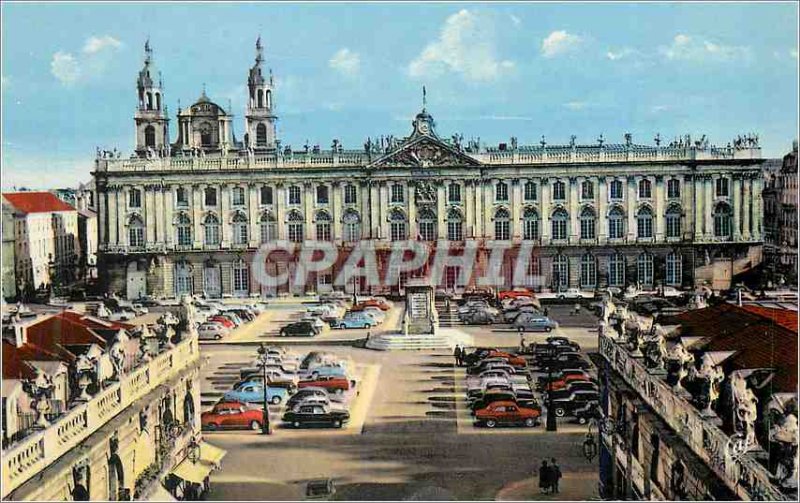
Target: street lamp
{"points": [[263, 359], [552, 424]]}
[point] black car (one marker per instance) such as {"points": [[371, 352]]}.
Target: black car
{"points": [[588, 412], [559, 340], [299, 328], [319, 415], [563, 360], [548, 350], [576, 400], [572, 386], [477, 355], [502, 395], [304, 393]]}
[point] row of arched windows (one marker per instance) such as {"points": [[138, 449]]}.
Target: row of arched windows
{"points": [[617, 270], [559, 190], [428, 225]]}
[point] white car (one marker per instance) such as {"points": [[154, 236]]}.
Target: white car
{"points": [[140, 309], [575, 293], [670, 291], [315, 320], [212, 331]]}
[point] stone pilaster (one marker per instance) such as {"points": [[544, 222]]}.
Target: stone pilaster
{"points": [[737, 208], [631, 184], [544, 196], [659, 208]]}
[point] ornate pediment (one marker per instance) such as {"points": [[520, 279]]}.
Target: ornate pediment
{"points": [[424, 152]]}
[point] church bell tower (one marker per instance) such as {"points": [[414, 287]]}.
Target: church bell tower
{"points": [[152, 124], [260, 117]]}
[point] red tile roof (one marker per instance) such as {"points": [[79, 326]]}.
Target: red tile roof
{"points": [[36, 202], [783, 317], [94, 323], [13, 365], [757, 340]]}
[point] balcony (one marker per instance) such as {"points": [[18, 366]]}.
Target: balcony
{"points": [[743, 474], [35, 452]]}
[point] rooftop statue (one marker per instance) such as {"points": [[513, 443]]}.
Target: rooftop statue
{"points": [[784, 432], [710, 375], [745, 413], [656, 347], [679, 360]]}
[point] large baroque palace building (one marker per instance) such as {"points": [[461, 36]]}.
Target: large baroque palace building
{"points": [[189, 215]]}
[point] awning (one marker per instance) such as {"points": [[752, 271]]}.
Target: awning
{"points": [[210, 454], [160, 493], [193, 472]]}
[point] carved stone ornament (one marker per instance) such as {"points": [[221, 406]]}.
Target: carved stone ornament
{"points": [[656, 347], [745, 412], [678, 362], [425, 193], [710, 376], [784, 433], [424, 153]]}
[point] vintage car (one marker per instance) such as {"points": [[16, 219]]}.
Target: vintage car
{"points": [[515, 293], [308, 392], [507, 413], [483, 353], [355, 319], [299, 329], [316, 414], [253, 392], [332, 383], [229, 415], [534, 323], [576, 400]]}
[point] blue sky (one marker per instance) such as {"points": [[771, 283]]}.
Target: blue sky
{"points": [[350, 71]]}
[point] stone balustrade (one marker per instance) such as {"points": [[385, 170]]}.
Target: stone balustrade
{"points": [[31, 455], [331, 159], [743, 474]]}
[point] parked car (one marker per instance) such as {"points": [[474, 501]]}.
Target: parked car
{"points": [[310, 391], [324, 370], [515, 293], [226, 321], [563, 360], [671, 291], [507, 413], [380, 304], [483, 353], [229, 415], [375, 313], [574, 293], [299, 329], [491, 364], [577, 399], [314, 358], [559, 340], [534, 323], [122, 315], [567, 390], [307, 415], [275, 378], [212, 331], [355, 319], [477, 317], [316, 321], [587, 413], [253, 392], [332, 383], [545, 351]]}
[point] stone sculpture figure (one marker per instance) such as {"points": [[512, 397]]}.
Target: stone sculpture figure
{"points": [[745, 412], [709, 375], [679, 361], [85, 369], [656, 347], [784, 432]]}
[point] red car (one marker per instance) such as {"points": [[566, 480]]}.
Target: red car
{"points": [[514, 360], [337, 384], [515, 294], [507, 413], [226, 322], [231, 416], [383, 306]]}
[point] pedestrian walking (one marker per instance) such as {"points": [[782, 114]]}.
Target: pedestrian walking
{"points": [[546, 311], [457, 355], [522, 345], [461, 354], [556, 474], [577, 309], [447, 303], [544, 477]]}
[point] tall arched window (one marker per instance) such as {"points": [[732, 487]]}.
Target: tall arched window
{"points": [[269, 228], [350, 194], [560, 272], [206, 135], [588, 271], [183, 279], [135, 198], [673, 217], [645, 269], [559, 191], [295, 227], [530, 224], [587, 223], [673, 188], [674, 269], [211, 225], [239, 229], [259, 99], [136, 231], [427, 225], [616, 223], [722, 221], [323, 226], [352, 226], [559, 223], [183, 228], [241, 278], [150, 137], [645, 189], [158, 101], [237, 196], [455, 230], [268, 98], [502, 225], [616, 270], [644, 223], [149, 101], [266, 195], [397, 225], [261, 135], [587, 190], [181, 197], [501, 191]]}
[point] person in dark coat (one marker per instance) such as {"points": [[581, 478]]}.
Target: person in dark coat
{"points": [[457, 355], [556, 474], [544, 477]]}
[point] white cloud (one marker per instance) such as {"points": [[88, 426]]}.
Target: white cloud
{"points": [[465, 46], [96, 44], [688, 48], [516, 20], [576, 105], [346, 62], [560, 42], [91, 61], [620, 54], [65, 68]]}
